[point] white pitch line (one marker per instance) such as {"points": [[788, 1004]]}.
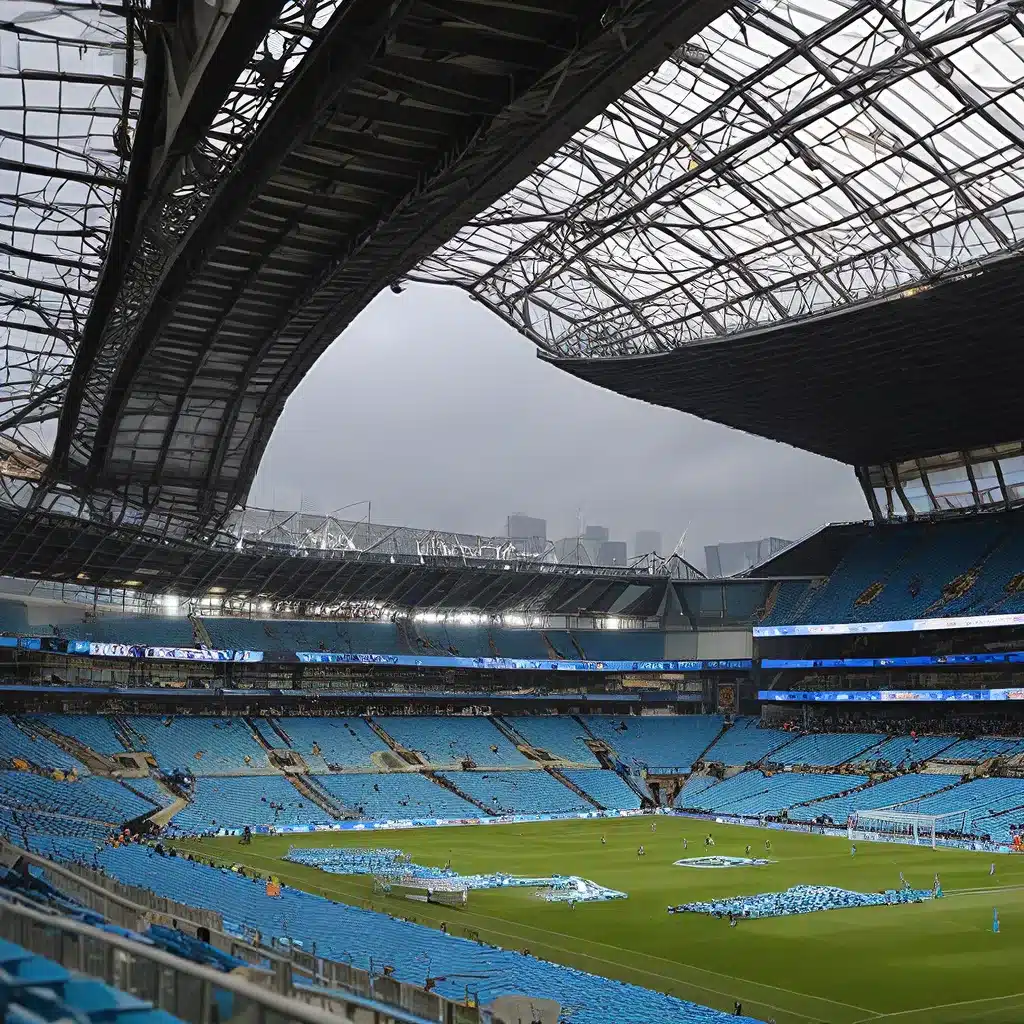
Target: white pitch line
{"points": [[939, 1006]]}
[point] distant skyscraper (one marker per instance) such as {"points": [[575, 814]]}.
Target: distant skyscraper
{"points": [[598, 533], [611, 552], [739, 556], [527, 527], [646, 542]]}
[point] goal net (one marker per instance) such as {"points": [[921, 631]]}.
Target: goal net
{"points": [[449, 892], [888, 824]]}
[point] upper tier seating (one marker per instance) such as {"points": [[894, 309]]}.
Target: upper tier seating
{"points": [[386, 940], [657, 741], [822, 749], [911, 564], [754, 794], [560, 735], [448, 740], [153, 630], [746, 742], [529, 792], [202, 746], [27, 745]]}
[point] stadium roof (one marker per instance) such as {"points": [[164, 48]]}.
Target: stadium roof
{"points": [[46, 546], [273, 164], [791, 159], [926, 374]]}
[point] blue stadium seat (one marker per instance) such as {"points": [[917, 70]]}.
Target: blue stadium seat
{"points": [[657, 740]]}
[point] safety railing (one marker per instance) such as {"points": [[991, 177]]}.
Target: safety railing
{"points": [[287, 970], [191, 992]]}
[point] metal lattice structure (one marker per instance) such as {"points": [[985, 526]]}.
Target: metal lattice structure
{"points": [[790, 159], [290, 159], [70, 86]]}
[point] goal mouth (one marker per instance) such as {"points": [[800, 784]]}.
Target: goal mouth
{"points": [[904, 825]]}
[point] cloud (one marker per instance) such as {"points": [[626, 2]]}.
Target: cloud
{"points": [[443, 417]]}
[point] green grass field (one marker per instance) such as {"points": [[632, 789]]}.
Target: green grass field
{"points": [[937, 962]]}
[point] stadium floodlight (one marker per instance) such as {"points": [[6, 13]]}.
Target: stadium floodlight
{"points": [[888, 824], [791, 159]]}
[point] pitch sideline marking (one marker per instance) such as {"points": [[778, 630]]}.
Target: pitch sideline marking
{"points": [[277, 862], [939, 1006]]}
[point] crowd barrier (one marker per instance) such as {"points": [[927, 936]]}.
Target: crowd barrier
{"points": [[841, 830], [404, 823]]}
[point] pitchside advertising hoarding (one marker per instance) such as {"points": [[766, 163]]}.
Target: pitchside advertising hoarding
{"points": [[887, 696], [900, 626]]}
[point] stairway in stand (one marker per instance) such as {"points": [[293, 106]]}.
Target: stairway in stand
{"points": [[569, 784], [312, 789], [444, 783]]}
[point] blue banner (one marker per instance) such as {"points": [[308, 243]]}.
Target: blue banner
{"points": [[922, 661], [887, 696], [415, 661], [103, 650], [901, 626]]}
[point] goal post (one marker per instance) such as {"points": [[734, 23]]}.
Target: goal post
{"points": [[887, 824], [448, 892]]}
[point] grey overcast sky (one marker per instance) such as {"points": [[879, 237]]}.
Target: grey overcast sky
{"points": [[443, 417]]}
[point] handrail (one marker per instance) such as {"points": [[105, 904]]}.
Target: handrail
{"points": [[31, 929], [327, 977]]}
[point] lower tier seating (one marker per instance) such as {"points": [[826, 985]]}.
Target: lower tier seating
{"points": [[344, 932]]}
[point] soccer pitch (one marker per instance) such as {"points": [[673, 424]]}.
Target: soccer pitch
{"points": [[933, 963]]}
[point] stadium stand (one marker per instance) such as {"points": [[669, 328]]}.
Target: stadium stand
{"points": [[622, 645], [89, 797], [529, 792], [560, 735], [202, 746], [14, 619], [891, 793], [156, 630], [655, 741], [913, 570], [94, 731], [606, 787], [752, 793], [981, 749], [227, 802], [34, 989], [397, 796], [823, 750], [387, 940], [450, 740], [346, 742], [746, 742], [903, 750], [18, 741]]}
